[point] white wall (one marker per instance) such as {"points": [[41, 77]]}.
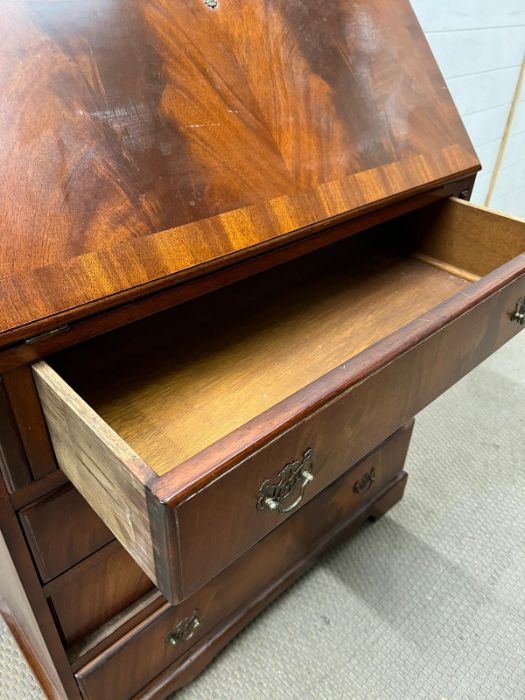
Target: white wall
{"points": [[480, 48], [509, 190]]}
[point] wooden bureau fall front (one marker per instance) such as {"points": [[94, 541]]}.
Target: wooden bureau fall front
{"points": [[236, 259]]}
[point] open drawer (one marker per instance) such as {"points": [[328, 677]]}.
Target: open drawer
{"points": [[196, 432]]}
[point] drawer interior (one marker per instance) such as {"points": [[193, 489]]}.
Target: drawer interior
{"points": [[175, 383]]}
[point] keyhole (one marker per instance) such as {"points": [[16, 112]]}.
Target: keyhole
{"points": [[212, 4]]}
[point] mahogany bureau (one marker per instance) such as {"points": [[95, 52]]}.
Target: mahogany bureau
{"points": [[236, 259]]}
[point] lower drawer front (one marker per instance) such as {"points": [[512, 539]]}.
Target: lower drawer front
{"points": [[143, 653], [62, 529], [94, 591]]}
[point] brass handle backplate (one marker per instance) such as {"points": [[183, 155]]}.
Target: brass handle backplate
{"points": [[519, 312], [185, 629], [363, 484], [275, 497]]}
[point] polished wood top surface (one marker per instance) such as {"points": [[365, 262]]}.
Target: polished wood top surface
{"points": [[148, 139]]}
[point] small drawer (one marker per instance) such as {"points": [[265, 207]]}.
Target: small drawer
{"points": [[62, 529], [195, 433], [143, 653], [94, 591]]}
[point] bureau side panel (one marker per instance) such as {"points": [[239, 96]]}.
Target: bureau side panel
{"points": [[17, 611], [13, 462]]}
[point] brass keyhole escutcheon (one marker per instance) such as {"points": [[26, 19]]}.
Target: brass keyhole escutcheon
{"points": [[185, 629], [519, 312], [363, 484]]}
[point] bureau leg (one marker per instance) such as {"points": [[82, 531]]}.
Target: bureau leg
{"points": [[389, 500]]}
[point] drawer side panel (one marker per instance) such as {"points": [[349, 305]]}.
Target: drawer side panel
{"points": [[110, 476]]}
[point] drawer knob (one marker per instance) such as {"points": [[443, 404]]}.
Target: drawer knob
{"points": [[275, 497], [185, 629], [519, 312], [363, 484]]}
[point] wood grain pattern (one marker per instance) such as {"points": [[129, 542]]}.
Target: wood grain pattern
{"points": [[231, 531], [106, 635], [100, 319], [191, 136], [103, 468], [387, 375], [61, 530], [109, 582], [141, 654], [468, 237]]}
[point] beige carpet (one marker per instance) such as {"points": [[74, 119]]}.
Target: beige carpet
{"points": [[17, 681], [429, 602]]}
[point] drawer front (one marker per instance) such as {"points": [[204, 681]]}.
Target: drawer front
{"points": [[221, 521], [94, 591], [143, 653], [61, 530]]}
